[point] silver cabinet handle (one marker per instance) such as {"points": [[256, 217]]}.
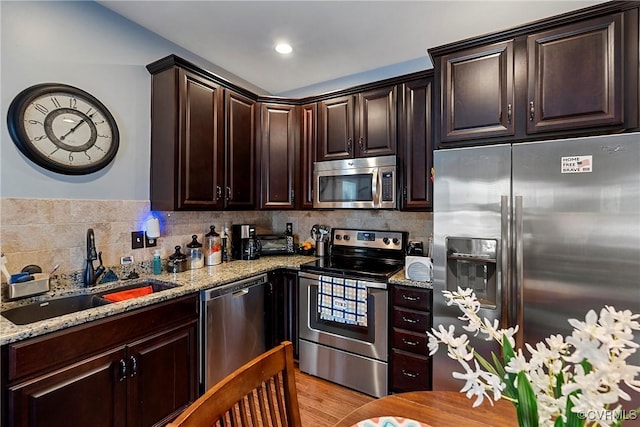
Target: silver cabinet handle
{"points": [[410, 298], [218, 192], [123, 370], [509, 113], [229, 196], [349, 145], [410, 374], [408, 320], [134, 366], [532, 111], [407, 342], [361, 145]]}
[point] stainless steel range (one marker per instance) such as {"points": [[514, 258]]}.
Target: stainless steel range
{"points": [[344, 309]]}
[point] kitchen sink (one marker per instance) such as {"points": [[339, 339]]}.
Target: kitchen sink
{"points": [[43, 310]]}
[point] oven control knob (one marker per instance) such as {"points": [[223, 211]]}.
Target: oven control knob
{"points": [[338, 237], [386, 240], [346, 237], [396, 241]]}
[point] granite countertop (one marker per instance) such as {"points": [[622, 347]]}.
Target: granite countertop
{"points": [[188, 282]]}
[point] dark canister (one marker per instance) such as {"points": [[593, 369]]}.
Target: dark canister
{"points": [[177, 262]]}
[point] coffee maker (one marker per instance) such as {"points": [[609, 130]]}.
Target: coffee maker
{"points": [[244, 243]]}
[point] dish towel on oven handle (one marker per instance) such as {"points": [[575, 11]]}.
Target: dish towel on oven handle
{"points": [[342, 300]]}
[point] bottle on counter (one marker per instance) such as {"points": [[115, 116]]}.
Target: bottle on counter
{"points": [[212, 247], [194, 253], [226, 244], [157, 262]]}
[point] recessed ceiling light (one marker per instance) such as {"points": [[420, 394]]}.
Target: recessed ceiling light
{"points": [[284, 48]]}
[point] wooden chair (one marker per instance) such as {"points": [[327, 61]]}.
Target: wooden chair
{"points": [[260, 393]]}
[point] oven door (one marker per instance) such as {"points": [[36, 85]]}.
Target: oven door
{"points": [[369, 341]]}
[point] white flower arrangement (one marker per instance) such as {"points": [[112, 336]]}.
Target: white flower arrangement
{"points": [[565, 382]]}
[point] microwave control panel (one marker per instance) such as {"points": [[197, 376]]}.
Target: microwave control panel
{"points": [[388, 184]]}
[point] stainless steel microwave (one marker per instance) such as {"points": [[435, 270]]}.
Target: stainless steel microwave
{"points": [[364, 183]]}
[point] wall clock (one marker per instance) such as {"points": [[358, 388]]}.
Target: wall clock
{"points": [[63, 129]]}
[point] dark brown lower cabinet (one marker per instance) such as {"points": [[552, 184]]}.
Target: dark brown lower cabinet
{"points": [[282, 309], [411, 317], [135, 369]]}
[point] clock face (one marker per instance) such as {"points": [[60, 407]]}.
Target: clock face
{"points": [[63, 129]]}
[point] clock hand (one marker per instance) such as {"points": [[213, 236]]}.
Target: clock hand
{"points": [[73, 129]]}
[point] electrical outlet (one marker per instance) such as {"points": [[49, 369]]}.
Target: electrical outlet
{"points": [[150, 243], [137, 239]]}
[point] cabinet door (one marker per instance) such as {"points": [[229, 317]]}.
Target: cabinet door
{"points": [[282, 309], [278, 156], [477, 93], [336, 128], [239, 191], [201, 112], [308, 153], [162, 375], [92, 392], [377, 124], [575, 76], [416, 147]]}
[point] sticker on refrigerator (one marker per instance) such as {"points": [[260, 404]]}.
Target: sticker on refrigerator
{"points": [[577, 164]]}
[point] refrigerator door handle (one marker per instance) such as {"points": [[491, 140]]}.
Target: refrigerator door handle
{"points": [[519, 273], [505, 295]]}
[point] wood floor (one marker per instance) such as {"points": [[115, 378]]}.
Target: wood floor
{"points": [[323, 403]]}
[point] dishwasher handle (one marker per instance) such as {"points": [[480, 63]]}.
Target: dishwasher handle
{"points": [[235, 288]]}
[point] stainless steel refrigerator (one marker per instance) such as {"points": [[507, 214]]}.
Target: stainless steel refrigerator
{"points": [[543, 232]]}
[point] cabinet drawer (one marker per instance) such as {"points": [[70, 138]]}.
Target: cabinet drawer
{"points": [[412, 320], [415, 298], [410, 372], [413, 342]]}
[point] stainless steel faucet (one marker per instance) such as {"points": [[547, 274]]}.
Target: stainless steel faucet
{"points": [[91, 275]]}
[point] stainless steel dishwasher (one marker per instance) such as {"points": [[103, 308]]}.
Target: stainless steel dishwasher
{"points": [[232, 327]]}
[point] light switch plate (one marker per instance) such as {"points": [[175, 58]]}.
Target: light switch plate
{"points": [[137, 239]]}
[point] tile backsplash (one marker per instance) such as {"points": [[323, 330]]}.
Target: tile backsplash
{"points": [[47, 232]]}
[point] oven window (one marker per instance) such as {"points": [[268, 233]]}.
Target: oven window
{"points": [[343, 329], [347, 188]]}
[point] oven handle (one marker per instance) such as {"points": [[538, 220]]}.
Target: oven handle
{"points": [[316, 278]]}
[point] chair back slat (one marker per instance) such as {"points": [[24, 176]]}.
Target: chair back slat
{"points": [[262, 393]]}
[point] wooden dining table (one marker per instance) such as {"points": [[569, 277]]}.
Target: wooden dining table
{"points": [[436, 409]]}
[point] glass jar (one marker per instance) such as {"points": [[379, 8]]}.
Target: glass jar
{"points": [[194, 253], [177, 262], [212, 247]]}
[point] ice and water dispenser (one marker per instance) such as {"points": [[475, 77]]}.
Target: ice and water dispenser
{"points": [[471, 263]]}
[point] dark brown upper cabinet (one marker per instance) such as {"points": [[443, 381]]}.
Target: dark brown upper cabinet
{"points": [[203, 142], [478, 93], [416, 144], [278, 154], [308, 153], [186, 138], [361, 125], [566, 76], [240, 152], [575, 75]]}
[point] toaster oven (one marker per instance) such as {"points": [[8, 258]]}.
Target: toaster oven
{"points": [[276, 244]]}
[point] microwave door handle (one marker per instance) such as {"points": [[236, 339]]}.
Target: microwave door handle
{"points": [[375, 188]]}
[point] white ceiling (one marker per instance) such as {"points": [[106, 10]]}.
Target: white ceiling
{"points": [[331, 39]]}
